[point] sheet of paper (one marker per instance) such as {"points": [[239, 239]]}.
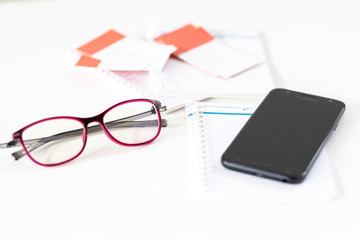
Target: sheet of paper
{"points": [[219, 59]]}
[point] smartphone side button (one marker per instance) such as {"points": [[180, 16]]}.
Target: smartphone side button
{"points": [[335, 127]]}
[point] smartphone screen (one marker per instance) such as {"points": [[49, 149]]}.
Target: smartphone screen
{"points": [[283, 137]]}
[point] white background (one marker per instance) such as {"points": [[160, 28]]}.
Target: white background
{"points": [[113, 192]]}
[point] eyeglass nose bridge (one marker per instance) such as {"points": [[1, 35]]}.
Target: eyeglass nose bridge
{"points": [[102, 127], [98, 118]]}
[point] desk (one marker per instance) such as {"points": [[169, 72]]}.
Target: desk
{"points": [[112, 192]]}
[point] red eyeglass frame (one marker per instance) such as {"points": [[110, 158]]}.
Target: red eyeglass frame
{"points": [[18, 139]]}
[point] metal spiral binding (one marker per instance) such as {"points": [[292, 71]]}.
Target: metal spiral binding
{"points": [[125, 83], [196, 128]]}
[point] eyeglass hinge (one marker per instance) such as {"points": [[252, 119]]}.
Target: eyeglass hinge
{"points": [[11, 144], [16, 136], [163, 109]]}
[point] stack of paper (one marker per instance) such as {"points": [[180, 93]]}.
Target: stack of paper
{"points": [[115, 51], [189, 63]]}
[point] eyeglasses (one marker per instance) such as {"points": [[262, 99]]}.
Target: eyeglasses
{"points": [[58, 140]]}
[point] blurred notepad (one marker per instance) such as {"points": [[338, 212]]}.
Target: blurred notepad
{"points": [[183, 77], [211, 128]]}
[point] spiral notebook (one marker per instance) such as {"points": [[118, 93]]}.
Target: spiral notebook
{"points": [[211, 128]]}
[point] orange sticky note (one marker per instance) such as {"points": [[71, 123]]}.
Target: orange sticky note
{"points": [[185, 38], [86, 61], [101, 42]]}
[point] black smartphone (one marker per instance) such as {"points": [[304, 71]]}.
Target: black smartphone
{"points": [[283, 137]]}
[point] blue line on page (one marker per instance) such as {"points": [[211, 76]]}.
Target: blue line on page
{"points": [[223, 113]]}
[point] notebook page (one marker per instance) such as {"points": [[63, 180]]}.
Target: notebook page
{"points": [[212, 127]]}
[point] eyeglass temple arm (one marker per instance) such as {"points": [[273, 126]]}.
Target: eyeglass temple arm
{"points": [[36, 143]]}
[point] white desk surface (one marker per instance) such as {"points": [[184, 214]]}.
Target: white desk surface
{"points": [[112, 192]]}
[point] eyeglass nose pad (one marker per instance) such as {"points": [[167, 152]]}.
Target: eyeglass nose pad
{"points": [[153, 110]]}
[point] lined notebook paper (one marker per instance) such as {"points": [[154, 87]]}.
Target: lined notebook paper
{"points": [[211, 128]]}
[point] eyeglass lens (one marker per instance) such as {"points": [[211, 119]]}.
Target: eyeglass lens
{"points": [[133, 123], [54, 141]]}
